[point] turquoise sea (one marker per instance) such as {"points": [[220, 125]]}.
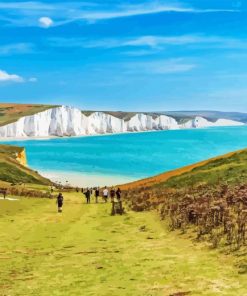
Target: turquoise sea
{"points": [[119, 158]]}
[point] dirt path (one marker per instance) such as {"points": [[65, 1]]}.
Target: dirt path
{"points": [[85, 251]]}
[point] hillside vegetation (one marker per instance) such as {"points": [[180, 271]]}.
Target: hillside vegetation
{"points": [[12, 171], [10, 113], [209, 197]]}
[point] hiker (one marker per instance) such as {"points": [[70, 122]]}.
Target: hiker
{"points": [[60, 202], [118, 193], [96, 194], [88, 195], [112, 194], [82, 190], [105, 194]]}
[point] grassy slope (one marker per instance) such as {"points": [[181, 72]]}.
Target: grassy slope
{"points": [[12, 112], [12, 171], [85, 249], [228, 167]]}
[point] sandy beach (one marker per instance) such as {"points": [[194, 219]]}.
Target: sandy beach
{"points": [[85, 180]]}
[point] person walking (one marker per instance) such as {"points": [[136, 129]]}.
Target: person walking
{"points": [[118, 194], [96, 194], [112, 194], [105, 194], [88, 195], [60, 202]]}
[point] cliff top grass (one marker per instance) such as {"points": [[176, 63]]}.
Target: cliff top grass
{"points": [[230, 168], [10, 113], [120, 114], [11, 171], [86, 251]]}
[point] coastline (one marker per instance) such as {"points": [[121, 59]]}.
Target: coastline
{"points": [[85, 180], [7, 139]]}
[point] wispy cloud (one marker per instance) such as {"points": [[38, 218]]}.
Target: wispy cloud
{"points": [[147, 43], [159, 67], [29, 13], [16, 48]]}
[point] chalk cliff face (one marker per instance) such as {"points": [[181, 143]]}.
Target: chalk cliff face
{"points": [[102, 123], [227, 122], [68, 121], [61, 121], [200, 122]]}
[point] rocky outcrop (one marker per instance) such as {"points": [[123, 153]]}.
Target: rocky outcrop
{"points": [[21, 157], [68, 121]]}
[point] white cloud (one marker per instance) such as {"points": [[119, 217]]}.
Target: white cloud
{"points": [[5, 77], [45, 22]]}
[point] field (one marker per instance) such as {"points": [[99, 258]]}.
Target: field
{"points": [[12, 112], [85, 251], [183, 236]]}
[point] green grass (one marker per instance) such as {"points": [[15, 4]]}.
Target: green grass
{"points": [[231, 170], [122, 115], [10, 113], [85, 251]]}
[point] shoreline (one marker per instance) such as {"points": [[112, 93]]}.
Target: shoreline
{"points": [[86, 179], [7, 139]]}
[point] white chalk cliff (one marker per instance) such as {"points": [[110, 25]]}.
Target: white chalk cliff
{"points": [[69, 121], [200, 122]]}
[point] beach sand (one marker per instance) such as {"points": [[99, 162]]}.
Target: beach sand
{"points": [[85, 180]]}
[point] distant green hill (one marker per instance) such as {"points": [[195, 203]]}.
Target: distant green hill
{"points": [[13, 169]]}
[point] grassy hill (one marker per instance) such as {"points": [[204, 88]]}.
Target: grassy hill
{"points": [[12, 171], [231, 167], [210, 197], [12, 112]]}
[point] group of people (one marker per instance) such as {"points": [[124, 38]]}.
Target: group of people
{"points": [[89, 192], [106, 193]]}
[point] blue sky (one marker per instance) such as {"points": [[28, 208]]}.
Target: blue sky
{"points": [[125, 55]]}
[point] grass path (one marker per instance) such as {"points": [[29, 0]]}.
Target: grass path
{"points": [[84, 251]]}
